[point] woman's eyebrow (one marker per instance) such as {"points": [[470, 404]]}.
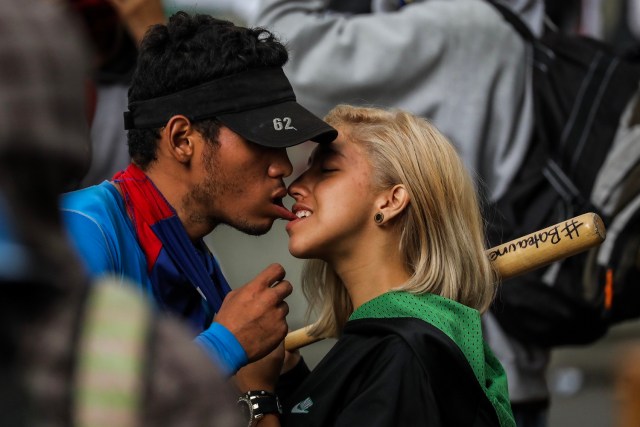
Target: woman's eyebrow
{"points": [[323, 152]]}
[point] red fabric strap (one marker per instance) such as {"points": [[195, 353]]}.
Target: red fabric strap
{"points": [[145, 206]]}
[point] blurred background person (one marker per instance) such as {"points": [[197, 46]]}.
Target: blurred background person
{"points": [[115, 29], [456, 62]]}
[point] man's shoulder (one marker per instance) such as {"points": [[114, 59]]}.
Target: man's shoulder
{"points": [[95, 201], [99, 195], [98, 208]]}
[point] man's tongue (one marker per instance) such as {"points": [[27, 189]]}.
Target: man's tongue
{"points": [[285, 213]]}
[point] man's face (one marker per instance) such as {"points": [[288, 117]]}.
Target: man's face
{"points": [[241, 184]]}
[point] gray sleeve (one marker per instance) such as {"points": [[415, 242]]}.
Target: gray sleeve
{"points": [[455, 62], [530, 11], [109, 149]]}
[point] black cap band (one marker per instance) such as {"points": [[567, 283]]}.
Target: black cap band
{"points": [[235, 93], [257, 104]]}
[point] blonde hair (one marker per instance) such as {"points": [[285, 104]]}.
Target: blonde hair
{"points": [[441, 230]]}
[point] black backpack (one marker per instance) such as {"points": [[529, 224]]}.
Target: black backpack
{"points": [[584, 157]]}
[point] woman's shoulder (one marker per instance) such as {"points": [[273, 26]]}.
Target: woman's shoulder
{"points": [[395, 359], [398, 332]]}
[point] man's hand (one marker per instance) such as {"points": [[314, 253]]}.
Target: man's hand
{"points": [[256, 313]]}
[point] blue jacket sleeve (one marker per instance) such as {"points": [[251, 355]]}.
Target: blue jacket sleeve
{"points": [[223, 348]]}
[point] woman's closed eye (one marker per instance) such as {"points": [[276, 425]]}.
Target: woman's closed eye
{"points": [[328, 170], [328, 166]]}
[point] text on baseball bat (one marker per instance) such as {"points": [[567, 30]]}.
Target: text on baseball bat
{"points": [[553, 235]]}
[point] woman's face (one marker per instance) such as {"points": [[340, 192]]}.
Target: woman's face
{"points": [[334, 202]]}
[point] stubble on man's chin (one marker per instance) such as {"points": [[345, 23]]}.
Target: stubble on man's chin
{"points": [[241, 224], [251, 229], [211, 190]]}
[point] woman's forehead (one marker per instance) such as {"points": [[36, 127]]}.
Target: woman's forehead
{"points": [[338, 147]]}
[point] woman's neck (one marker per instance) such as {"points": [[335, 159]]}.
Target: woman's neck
{"points": [[371, 273]]}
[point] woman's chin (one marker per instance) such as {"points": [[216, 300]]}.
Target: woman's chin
{"points": [[300, 251], [297, 253]]}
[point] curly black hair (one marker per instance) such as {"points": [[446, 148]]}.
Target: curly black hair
{"points": [[188, 51]]}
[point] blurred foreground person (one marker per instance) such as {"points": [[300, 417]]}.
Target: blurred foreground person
{"points": [[71, 355]]}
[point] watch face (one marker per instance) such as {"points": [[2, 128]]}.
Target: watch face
{"points": [[255, 404], [245, 410]]}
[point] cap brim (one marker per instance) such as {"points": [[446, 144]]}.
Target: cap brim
{"points": [[279, 125]]}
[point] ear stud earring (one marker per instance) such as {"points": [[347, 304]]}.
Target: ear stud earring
{"points": [[378, 218]]}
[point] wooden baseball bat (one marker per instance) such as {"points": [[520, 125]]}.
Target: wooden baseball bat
{"points": [[519, 256]]}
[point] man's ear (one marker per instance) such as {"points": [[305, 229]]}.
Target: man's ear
{"points": [[178, 134], [393, 202]]}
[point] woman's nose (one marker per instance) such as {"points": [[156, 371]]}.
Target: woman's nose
{"points": [[298, 189]]}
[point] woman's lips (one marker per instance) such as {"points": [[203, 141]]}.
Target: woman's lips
{"points": [[300, 213]]}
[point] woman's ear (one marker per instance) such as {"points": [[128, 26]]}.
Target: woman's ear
{"points": [[178, 134], [392, 203]]}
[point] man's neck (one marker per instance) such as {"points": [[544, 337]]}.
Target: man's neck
{"points": [[174, 188]]}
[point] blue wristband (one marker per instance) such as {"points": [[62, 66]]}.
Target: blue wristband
{"points": [[223, 347]]}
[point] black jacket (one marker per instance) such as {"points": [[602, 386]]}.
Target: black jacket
{"points": [[387, 372]]}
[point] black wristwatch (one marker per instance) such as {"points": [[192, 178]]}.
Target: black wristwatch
{"points": [[255, 404]]}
